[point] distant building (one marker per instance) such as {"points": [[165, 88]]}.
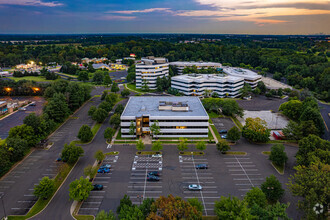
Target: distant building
{"points": [[3, 107], [94, 60], [101, 66], [177, 116], [149, 69], [196, 84], [180, 65], [249, 76]]}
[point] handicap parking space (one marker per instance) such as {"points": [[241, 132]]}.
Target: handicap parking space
{"points": [[92, 204], [244, 173], [203, 177], [139, 187]]}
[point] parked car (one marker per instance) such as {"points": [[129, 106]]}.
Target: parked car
{"points": [[156, 155], [58, 159], [224, 136], [33, 104], [224, 131], [202, 166], [22, 109], [154, 173], [97, 187], [103, 170], [195, 187], [152, 178], [105, 166]]}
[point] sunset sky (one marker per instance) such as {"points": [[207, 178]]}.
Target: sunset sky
{"points": [[165, 16]]}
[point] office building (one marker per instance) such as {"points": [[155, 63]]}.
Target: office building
{"points": [[249, 76], [180, 65]]}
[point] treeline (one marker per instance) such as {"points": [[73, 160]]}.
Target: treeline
{"points": [[63, 99], [21, 88]]}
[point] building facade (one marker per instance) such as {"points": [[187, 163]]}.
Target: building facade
{"points": [[149, 70], [180, 65], [176, 117], [249, 76], [196, 84]]}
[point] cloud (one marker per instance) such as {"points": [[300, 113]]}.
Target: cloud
{"points": [[148, 10], [30, 3], [115, 17]]}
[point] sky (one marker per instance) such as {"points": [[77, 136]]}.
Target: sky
{"points": [[165, 16]]}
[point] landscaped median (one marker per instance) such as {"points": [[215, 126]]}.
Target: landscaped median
{"points": [[41, 204], [94, 130]]}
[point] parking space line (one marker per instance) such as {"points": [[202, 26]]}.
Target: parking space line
{"points": [[144, 192], [245, 172], [242, 174]]}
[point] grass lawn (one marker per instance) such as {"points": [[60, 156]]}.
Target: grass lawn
{"points": [[235, 153], [148, 152], [112, 153], [266, 152], [125, 142], [210, 218], [281, 141], [213, 115], [68, 75], [32, 78], [41, 203], [94, 129], [279, 169], [188, 153], [84, 217], [216, 132], [237, 122], [132, 86]]}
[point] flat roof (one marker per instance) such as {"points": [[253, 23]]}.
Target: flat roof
{"points": [[194, 63], [148, 105], [240, 72], [208, 78]]}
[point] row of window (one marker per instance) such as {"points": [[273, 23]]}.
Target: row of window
{"points": [[199, 83], [167, 120], [175, 127], [175, 134]]}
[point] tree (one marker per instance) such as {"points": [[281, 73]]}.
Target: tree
{"points": [[255, 196], [313, 114], [275, 211], [194, 202], [100, 115], [45, 188], [132, 128], [146, 205], [98, 77], [130, 212], [85, 134], [140, 145], [125, 93], [114, 87], [223, 146], [234, 134], [107, 80], [312, 183], [256, 130], [246, 90], [292, 131], [231, 208], [79, 189], [292, 109], [71, 153], [104, 94], [83, 76], [90, 171], [157, 146], [99, 156], [57, 108], [108, 133], [272, 189], [119, 109], [145, 86], [155, 129], [167, 208], [308, 127], [16, 148], [112, 98], [91, 110], [34, 121], [278, 155], [115, 120], [201, 145], [125, 201], [230, 107], [23, 132], [102, 215], [183, 144], [107, 106]]}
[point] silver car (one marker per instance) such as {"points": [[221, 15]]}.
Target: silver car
{"points": [[195, 187]]}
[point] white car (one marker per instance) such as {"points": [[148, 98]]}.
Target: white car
{"points": [[156, 155], [195, 187]]}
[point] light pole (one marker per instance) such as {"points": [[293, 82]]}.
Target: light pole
{"points": [[140, 197], [3, 205]]}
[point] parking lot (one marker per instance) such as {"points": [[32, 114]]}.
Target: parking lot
{"points": [[92, 204], [223, 123]]}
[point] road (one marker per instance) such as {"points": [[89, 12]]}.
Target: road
{"points": [[18, 185], [325, 110]]}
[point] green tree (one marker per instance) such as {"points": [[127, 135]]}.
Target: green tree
{"points": [[91, 110], [223, 146], [293, 131], [98, 77], [272, 189], [108, 133], [140, 145], [115, 120], [71, 153], [125, 93], [114, 87], [308, 127], [100, 115], [182, 146], [132, 128], [34, 121], [255, 196], [155, 129], [313, 114], [231, 208], [311, 183], [246, 90], [99, 156], [16, 148], [157, 146], [107, 80], [85, 134], [119, 109], [201, 145], [57, 108], [130, 212], [292, 109], [90, 171], [194, 202], [112, 98], [83, 76], [45, 188], [79, 189], [102, 215], [145, 86], [104, 94], [278, 155], [234, 134], [230, 107], [145, 207], [125, 201], [23, 132], [275, 211], [256, 130]]}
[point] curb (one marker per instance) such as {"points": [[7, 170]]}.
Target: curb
{"points": [[277, 170]]}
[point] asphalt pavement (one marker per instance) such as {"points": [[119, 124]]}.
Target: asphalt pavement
{"points": [[325, 110]]}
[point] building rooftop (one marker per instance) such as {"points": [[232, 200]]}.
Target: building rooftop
{"points": [[193, 77], [155, 106], [193, 63], [152, 60], [100, 65], [245, 73]]}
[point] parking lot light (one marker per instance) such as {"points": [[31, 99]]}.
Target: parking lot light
{"points": [[3, 205], [140, 197]]}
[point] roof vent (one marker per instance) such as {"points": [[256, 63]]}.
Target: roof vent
{"points": [[143, 108]]}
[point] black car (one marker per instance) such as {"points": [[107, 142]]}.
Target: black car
{"points": [[202, 166], [97, 187], [154, 173], [152, 178], [223, 131]]}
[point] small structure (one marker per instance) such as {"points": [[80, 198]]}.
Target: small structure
{"points": [[278, 135], [3, 107], [101, 66]]}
